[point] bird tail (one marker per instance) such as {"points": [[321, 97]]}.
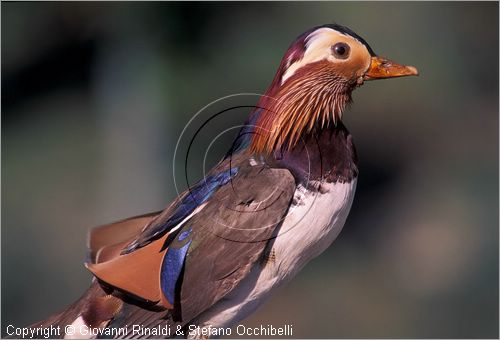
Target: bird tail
{"points": [[96, 314], [68, 317]]}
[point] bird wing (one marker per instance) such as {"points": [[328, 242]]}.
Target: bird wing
{"points": [[131, 261], [224, 240], [221, 228]]}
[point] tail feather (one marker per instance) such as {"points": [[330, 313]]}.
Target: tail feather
{"points": [[71, 313], [108, 316]]}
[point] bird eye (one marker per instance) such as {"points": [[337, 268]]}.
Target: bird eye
{"points": [[341, 50]]}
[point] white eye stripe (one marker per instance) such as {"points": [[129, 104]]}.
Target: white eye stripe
{"points": [[318, 46], [317, 35], [325, 31]]}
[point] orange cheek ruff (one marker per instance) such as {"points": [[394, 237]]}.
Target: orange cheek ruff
{"points": [[313, 95]]}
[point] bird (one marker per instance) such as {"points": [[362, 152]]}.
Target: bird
{"points": [[277, 199]]}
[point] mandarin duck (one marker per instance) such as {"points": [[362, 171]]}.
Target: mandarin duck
{"points": [[278, 199]]}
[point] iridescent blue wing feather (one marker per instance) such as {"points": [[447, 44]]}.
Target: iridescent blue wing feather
{"points": [[193, 198], [216, 248]]}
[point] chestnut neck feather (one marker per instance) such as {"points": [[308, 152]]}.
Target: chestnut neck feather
{"points": [[310, 99]]}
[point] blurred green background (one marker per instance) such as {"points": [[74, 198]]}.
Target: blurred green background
{"points": [[95, 95]]}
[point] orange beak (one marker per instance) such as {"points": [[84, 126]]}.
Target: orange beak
{"points": [[381, 68]]}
